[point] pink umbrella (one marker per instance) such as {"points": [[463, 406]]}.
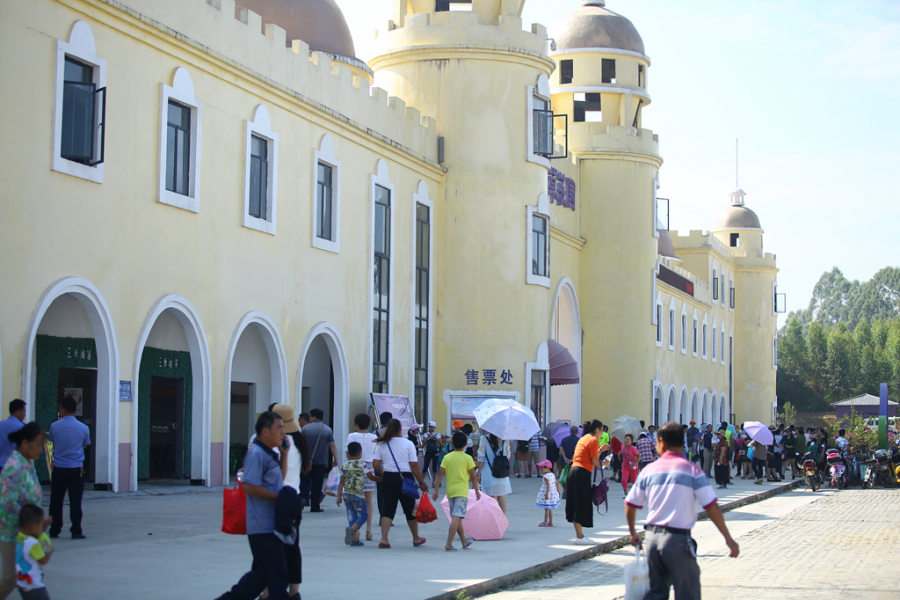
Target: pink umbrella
{"points": [[484, 518], [759, 433]]}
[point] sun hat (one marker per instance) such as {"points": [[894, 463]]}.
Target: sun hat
{"points": [[414, 427], [457, 424], [545, 463], [432, 424], [287, 415], [693, 421]]}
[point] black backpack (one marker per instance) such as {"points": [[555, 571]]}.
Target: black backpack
{"points": [[431, 445], [522, 447], [500, 466]]}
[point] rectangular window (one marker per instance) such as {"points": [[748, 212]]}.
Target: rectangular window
{"points": [[259, 177], [641, 82], [732, 297], [588, 108], [714, 345], [695, 338], [735, 240], [539, 396], [567, 71], [382, 289], [423, 254], [539, 246], [83, 115], [671, 329], [324, 192], [722, 296], [178, 148], [723, 343], [609, 70], [543, 127], [704, 340], [684, 333], [715, 285], [658, 324]]}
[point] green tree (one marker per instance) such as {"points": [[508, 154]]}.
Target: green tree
{"points": [[817, 355], [839, 364]]}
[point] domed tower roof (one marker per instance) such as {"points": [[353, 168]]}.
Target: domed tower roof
{"points": [[737, 216], [319, 23], [593, 26], [664, 246]]}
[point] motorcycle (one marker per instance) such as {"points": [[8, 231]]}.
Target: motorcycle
{"points": [[813, 479], [880, 471], [895, 462], [837, 468], [871, 474]]}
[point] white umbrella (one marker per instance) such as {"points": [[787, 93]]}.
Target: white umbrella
{"points": [[623, 426], [507, 419]]}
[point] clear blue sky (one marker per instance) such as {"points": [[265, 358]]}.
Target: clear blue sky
{"points": [[811, 89]]}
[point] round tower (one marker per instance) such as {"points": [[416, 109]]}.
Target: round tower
{"points": [[480, 76], [755, 310], [601, 84]]}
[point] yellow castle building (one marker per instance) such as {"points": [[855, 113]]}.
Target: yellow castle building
{"points": [[210, 207]]}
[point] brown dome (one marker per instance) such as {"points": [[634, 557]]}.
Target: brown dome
{"points": [[664, 246], [319, 23], [737, 217], [593, 26]]}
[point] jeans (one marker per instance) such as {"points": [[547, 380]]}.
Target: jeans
{"points": [[431, 461], [71, 481], [672, 558], [317, 480], [269, 570], [294, 562], [357, 510], [759, 467]]}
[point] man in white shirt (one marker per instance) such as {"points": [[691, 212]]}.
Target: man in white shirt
{"points": [[841, 442]]}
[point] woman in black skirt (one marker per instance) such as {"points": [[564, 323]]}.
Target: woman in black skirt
{"points": [[579, 508]]}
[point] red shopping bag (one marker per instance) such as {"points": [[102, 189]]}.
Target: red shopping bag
{"points": [[234, 511], [426, 512]]}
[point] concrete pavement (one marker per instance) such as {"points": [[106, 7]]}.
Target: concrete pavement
{"points": [[170, 545]]}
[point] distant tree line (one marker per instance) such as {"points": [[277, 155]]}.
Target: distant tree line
{"points": [[847, 342]]}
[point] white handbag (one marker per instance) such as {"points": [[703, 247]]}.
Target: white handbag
{"points": [[637, 577]]}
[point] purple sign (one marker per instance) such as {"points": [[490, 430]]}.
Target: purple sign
{"points": [[398, 406], [561, 189]]}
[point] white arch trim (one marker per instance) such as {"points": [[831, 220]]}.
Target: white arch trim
{"points": [[107, 427], [565, 285], [671, 400], [277, 368], [201, 394], [658, 390], [684, 404], [695, 406], [336, 349]]}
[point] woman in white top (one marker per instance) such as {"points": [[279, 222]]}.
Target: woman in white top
{"points": [[397, 459], [367, 440], [497, 487], [298, 462]]}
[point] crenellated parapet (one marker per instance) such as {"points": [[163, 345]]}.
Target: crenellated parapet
{"points": [[331, 84], [741, 257], [586, 139]]}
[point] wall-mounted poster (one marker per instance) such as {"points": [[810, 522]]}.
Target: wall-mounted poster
{"points": [[78, 396]]}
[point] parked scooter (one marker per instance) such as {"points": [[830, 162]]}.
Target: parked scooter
{"points": [[880, 470], [871, 474], [810, 472], [895, 462], [838, 468]]}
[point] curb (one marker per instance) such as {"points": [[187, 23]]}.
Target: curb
{"points": [[544, 569]]}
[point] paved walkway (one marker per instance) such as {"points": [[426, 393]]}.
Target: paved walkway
{"points": [[827, 546], [170, 545]]}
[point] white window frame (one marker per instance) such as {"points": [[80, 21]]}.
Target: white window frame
{"points": [[542, 90], [722, 350], [182, 92], [722, 299], [695, 335], [775, 298], [381, 178], [775, 352], [714, 340], [714, 291], [684, 330], [325, 154], [657, 314], [704, 340], [81, 46], [672, 324], [261, 126], [420, 197], [730, 292], [654, 230], [542, 210]]}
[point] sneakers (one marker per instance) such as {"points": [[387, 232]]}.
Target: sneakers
{"points": [[758, 482], [722, 487], [585, 541]]}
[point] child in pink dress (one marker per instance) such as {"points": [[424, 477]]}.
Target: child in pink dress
{"points": [[548, 497], [629, 457]]}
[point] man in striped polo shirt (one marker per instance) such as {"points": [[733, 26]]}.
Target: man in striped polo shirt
{"points": [[670, 488]]}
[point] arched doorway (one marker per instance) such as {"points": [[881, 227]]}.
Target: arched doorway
{"points": [[723, 409], [71, 350], [684, 413], [565, 328], [695, 406], [255, 377], [672, 406], [706, 408], [659, 407], [323, 379], [171, 398]]}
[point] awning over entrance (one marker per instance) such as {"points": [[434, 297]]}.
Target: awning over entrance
{"points": [[563, 368]]}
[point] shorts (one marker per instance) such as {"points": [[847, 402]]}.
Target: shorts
{"points": [[392, 489], [35, 594], [458, 506]]}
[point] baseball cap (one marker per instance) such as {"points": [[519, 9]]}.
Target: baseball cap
{"points": [[545, 463]]}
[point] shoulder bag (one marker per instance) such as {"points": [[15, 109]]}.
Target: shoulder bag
{"points": [[600, 491], [500, 465], [409, 484]]}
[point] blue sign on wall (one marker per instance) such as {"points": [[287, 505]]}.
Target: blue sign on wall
{"points": [[124, 391]]}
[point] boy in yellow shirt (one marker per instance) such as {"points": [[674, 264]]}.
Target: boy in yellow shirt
{"points": [[459, 468]]}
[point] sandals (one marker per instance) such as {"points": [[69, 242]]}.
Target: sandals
{"points": [[469, 545], [356, 543], [421, 541], [383, 546], [450, 549], [544, 524], [348, 535], [369, 536]]}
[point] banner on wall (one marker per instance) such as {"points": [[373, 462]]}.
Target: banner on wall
{"points": [[463, 407], [398, 406]]}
